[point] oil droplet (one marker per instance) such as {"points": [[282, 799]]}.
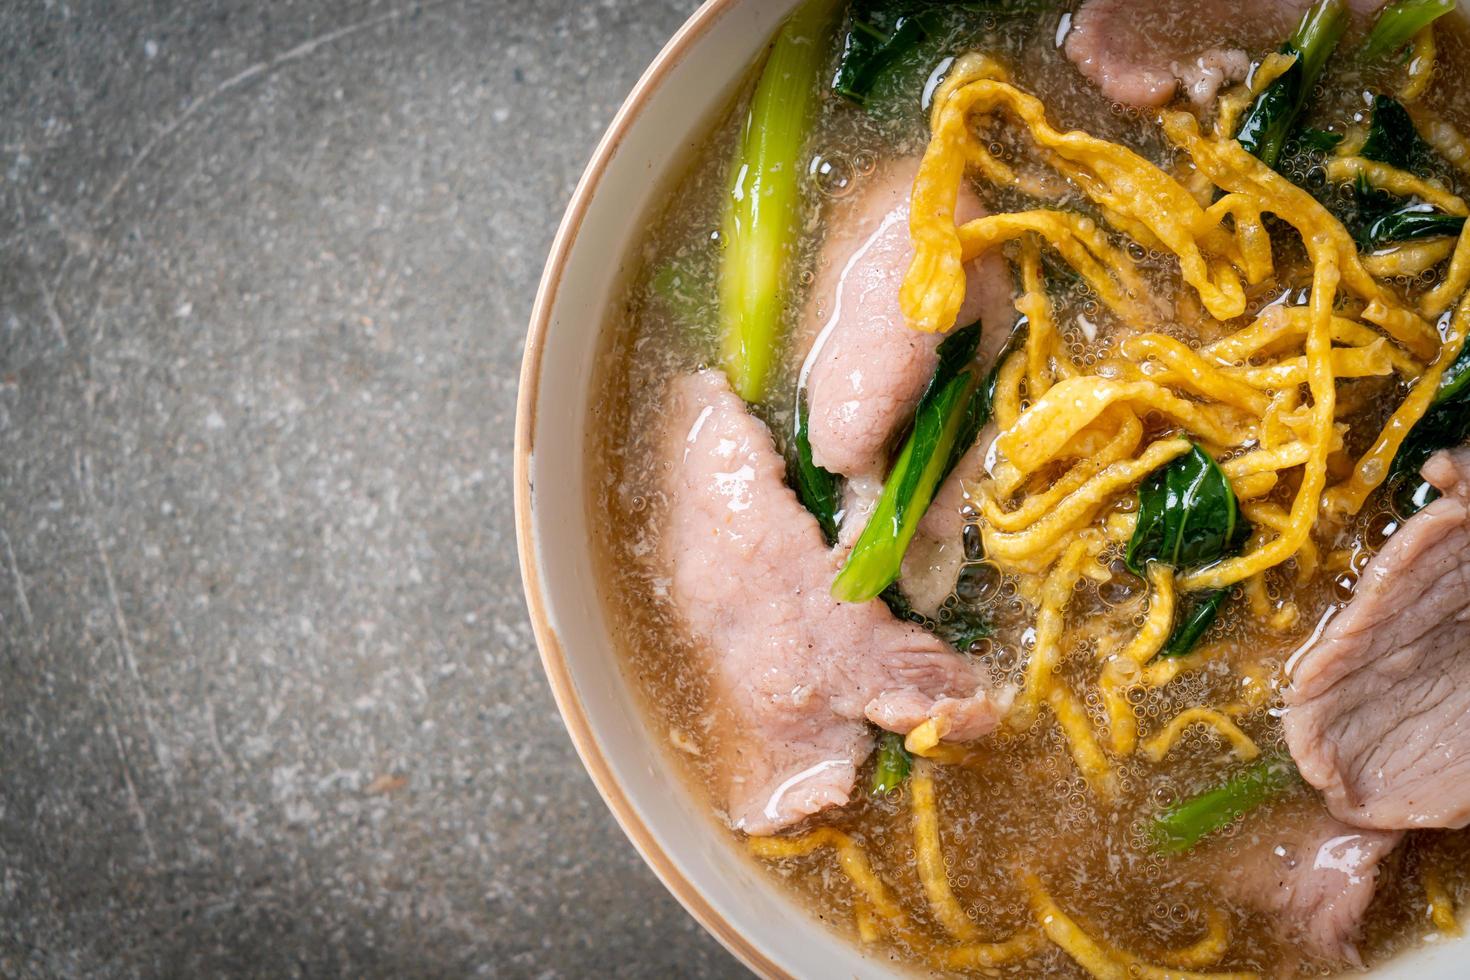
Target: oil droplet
{"points": [[1381, 529], [979, 582], [832, 175], [974, 547]]}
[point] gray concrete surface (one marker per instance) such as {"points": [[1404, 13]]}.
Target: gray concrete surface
{"points": [[269, 704]]}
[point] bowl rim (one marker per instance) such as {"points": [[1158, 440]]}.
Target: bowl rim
{"points": [[553, 657]]}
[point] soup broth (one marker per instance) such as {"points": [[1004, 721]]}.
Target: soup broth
{"points": [[1015, 806]]}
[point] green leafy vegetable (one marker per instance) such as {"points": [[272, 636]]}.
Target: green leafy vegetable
{"points": [[1271, 117], [964, 633], [1188, 630], [1454, 384], [1392, 138], [1410, 223], [1446, 424], [1187, 516], [891, 48], [1407, 223], [1383, 218], [1398, 22], [815, 487], [893, 764], [962, 629], [1318, 140], [1182, 826], [868, 51], [948, 410], [762, 218]]}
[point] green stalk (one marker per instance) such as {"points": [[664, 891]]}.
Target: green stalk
{"points": [[763, 214], [893, 764], [951, 410], [1184, 825], [1399, 22], [877, 558], [1274, 113], [1191, 628]]}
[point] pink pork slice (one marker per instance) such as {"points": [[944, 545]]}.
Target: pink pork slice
{"points": [[1141, 52], [1313, 875], [795, 675], [867, 368], [1378, 708]]}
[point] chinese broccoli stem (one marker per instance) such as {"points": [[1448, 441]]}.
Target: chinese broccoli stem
{"points": [[762, 217], [1274, 113]]}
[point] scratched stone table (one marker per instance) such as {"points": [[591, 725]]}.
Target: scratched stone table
{"points": [[269, 703]]}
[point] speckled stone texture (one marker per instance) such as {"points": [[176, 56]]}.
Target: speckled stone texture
{"points": [[269, 702]]}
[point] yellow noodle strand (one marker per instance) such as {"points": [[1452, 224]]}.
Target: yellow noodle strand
{"points": [[1158, 746], [926, 735], [1082, 742], [1078, 508], [1079, 240], [934, 287], [1267, 514], [929, 855], [1149, 203], [1234, 102], [1267, 460], [1041, 330], [979, 956], [968, 956], [1421, 66], [1280, 618], [850, 858], [1373, 361], [1122, 446], [1252, 240], [1372, 468], [1441, 134], [1279, 324], [1456, 278], [1236, 171], [1255, 485], [1314, 473], [1008, 383], [1410, 258], [1188, 368], [1165, 669], [1099, 958], [1121, 180], [867, 923], [1381, 176], [1208, 950], [1125, 669], [1039, 434], [1046, 651]]}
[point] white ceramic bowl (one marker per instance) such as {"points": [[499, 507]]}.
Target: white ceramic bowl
{"points": [[643, 152]]}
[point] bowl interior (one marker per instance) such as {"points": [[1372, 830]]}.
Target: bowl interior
{"points": [[665, 118]]}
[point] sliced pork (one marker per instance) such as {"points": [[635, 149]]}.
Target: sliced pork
{"points": [[794, 674], [1142, 52], [1378, 708], [867, 369], [1313, 875]]}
